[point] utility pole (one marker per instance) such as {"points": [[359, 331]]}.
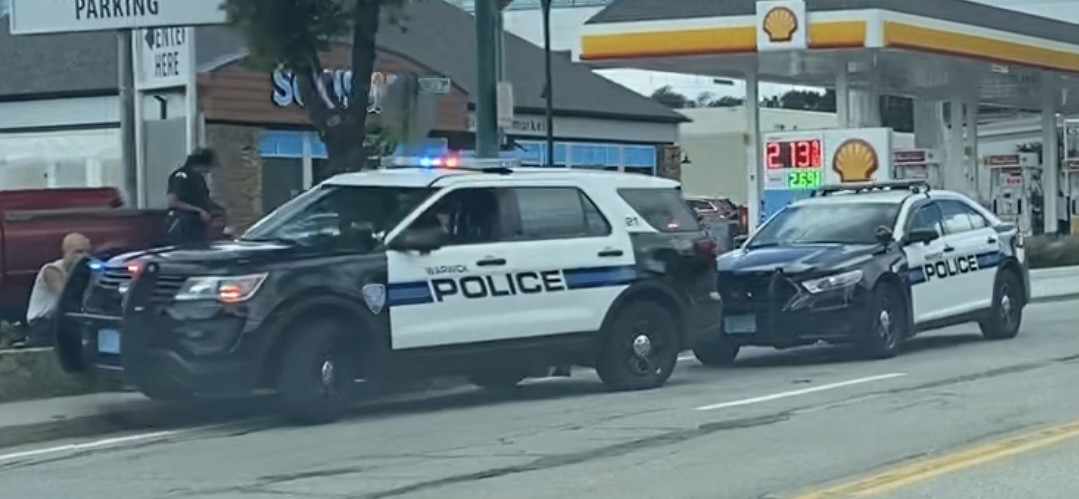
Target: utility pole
{"points": [[126, 84], [485, 93], [548, 81]]}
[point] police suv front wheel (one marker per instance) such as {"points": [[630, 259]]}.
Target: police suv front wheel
{"points": [[640, 347], [1004, 318], [317, 372]]}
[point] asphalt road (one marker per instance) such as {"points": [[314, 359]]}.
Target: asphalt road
{"points": [[953, 417]]}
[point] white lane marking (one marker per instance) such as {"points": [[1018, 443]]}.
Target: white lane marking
{"points": [[117, 441], [803, 391], [96, 444]]}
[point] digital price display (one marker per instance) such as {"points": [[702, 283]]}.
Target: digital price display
{"points": [[804, 179], [782, 154]]}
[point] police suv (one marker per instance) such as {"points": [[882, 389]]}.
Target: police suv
{"points": [[870, 264], [488, 271]]}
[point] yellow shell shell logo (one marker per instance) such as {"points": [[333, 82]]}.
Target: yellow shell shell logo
{"points": [[855, 161], [780, 24]]}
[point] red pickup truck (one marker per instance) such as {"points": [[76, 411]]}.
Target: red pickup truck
{"points": [[34, 222]]}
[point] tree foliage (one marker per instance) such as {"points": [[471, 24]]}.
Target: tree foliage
{"points": [[290, 35]]}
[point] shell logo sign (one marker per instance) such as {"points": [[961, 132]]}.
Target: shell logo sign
{"points": [[780, 24], [855, 160]]}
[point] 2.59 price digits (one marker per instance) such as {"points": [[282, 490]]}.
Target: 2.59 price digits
{"points": [[792, 154]]}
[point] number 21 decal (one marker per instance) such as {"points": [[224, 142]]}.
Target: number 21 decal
{"points": [[632, 222]]}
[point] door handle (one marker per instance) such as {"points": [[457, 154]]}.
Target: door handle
{"points": [[607, 253], [491, 262], [948, 249], [991, 240]]}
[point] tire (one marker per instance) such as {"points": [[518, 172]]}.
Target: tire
{"points": [[887, 323], [719, 352], [317, 373], [1006, 315], [497, 381], [640, 347]]}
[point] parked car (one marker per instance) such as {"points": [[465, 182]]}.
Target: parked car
{"points": [[718, 209], [34, 222]]}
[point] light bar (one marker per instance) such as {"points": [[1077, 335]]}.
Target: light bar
{"points": [[449, 161]]}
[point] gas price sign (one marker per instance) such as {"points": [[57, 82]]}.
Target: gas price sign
{"points": [[784, 154]]}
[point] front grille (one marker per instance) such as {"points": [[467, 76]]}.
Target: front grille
{"points": [[751, 292], [103, 295]]}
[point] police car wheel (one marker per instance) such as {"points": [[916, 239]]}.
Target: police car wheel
{"points": [[640, 347], [1006, 316], [886, 325], [497, 381], [317, 374], [716, 352]]}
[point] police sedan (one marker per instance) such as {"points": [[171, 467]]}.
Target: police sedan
{"points": [[872, 265]]}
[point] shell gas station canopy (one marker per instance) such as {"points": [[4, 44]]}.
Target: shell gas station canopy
{"points": [[938, 52]]}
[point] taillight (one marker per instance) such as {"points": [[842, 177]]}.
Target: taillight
{"points": [[706, 247]]}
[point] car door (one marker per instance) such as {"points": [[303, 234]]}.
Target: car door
{"points": [[928, 296], [459, 292], [562, 232], [980, 254], [964, 245]]}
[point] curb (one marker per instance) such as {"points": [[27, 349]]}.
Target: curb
{"points": [[1055, 298]]}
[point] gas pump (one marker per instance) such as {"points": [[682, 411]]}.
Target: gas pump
{"points": [[918, 164], [1070, 172], [1010, 181]]}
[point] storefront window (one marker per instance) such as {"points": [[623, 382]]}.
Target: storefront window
{"points": [[87, 158]]}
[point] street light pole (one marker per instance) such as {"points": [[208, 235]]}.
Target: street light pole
{"points": [[485, 93], [549, 94]]}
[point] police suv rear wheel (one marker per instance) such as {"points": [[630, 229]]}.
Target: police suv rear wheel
{"points": [[886, 325], [316, 374], [1006, 315], [640, 347]]}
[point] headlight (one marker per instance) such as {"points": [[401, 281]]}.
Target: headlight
{"points": [[836, 281], [226, 289]]}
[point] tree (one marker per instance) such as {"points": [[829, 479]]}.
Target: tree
{"points": [[290, 34], [727, 101], [668, 97]]}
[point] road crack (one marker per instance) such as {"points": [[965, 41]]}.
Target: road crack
{"points": [[560, 460]]}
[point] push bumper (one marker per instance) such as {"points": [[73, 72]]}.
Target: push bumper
{"points": [[778, 312], [198, 348]]}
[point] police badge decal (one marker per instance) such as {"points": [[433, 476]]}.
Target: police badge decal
{"points": [[374, 295]]}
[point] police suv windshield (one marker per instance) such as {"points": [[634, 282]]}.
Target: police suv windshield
{"points": [[361, 215], [836, 223]]}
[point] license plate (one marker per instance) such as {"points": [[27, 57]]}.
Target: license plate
{"points": [[108, 341], [740, 324]]}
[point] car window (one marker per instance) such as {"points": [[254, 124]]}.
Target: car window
{"points": [[555, 213], [840, 223], [956, 217], [357, 217], [663, 209], [467, 216], [927, 217]]}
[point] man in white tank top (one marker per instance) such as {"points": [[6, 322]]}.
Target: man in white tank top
{"points": [[47, 287]]}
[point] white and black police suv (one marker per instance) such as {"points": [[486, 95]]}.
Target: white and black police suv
{"points": [[487, 271], [870, 264]]}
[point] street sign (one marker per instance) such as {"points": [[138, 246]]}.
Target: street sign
{"points": [[504, 103], [163, 57], [434, 85], [59, 16]]}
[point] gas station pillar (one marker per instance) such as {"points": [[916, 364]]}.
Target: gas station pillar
{"points": [[954, 166], [970, 148], [754, 201], [1050, 159]]}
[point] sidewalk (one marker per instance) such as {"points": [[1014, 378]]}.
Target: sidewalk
{"points": [[86, 415]]}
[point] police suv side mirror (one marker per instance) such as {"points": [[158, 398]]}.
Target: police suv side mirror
{"points": [[920, 236], [423, 240], [884, 235]]}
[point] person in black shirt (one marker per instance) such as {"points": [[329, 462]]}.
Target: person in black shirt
{"points": [[190, 206]]}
